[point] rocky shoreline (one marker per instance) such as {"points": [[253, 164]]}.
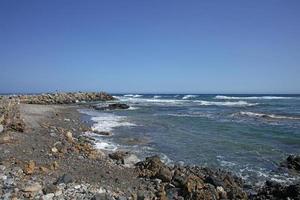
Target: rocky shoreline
{"points": [[45, 156]]}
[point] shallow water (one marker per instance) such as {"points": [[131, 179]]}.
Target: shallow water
{"points": [[246, 134]]}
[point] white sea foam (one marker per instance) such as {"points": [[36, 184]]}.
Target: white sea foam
{"points": [[133, 95], [251, 97], [102, 142], [145, 100], [190, 96], [226, 103], [107, 122], [102, 145], [157, 97], [263, 115]]}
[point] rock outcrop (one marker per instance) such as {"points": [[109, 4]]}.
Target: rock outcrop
{"points": [[192, 182], [292, 163], [113, 106], [277, 191]]}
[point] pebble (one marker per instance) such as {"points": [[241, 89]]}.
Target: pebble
{"points": [[1, 128], [48, 196]]}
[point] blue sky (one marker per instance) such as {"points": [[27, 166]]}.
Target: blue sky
{"points": [[157, 46]]}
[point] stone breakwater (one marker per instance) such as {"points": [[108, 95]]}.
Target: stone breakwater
{"points": [[64, 98]]}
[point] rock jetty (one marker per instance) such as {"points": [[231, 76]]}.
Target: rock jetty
{"points": [[65, 98]]}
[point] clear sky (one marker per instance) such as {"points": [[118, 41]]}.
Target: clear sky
{"points": [[153, 46]]}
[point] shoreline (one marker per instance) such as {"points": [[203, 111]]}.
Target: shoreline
{"points": [[51, 147]]}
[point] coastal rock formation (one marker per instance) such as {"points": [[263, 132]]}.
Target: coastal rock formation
{"points": [[65, 98], [277, 191], [192, 182], [114, 106], [292, 163]]}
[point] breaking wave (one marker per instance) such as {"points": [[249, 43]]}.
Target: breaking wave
{"points": [[133, 95], [251, 98], [190, 96], [267, 116], [227, 103]]}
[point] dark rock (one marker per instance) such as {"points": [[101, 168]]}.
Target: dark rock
{"points": [[49, 189], [214, 181], [102, 132], [292, 163], [274, 190], [164, 174], [66, 178], [114, 106], [117, 106], [119, 156]]}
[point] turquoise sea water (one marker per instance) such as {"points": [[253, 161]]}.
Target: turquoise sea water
{"points": [[246, 134]]}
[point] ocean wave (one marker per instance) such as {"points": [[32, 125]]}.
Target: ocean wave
{"points": [[100, 142], [251, 98], [227, 103], [190, 96], [156, 97], [133, 95], [107, 122], [144, 100], [270, 116]]}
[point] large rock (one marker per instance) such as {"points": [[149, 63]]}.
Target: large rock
{"points": [[153, 168], [274, 190], [118, 155], [292, 163], [66, 178], [114, 106], [117, 106]]}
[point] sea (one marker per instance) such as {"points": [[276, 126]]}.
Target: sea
{"points": [[248, 135]]}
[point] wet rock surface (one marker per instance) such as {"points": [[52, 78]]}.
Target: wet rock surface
{"points": [[113, 106], [292, 163]]}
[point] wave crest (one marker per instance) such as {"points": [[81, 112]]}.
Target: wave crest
{"points": [[227, 103], [270, 116], [190, 96], [251, 98]]}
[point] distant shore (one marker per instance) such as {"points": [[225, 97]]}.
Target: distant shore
{"points": [[44, 155]]}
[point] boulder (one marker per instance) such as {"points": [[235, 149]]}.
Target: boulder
{"points": [[274, 190], [118, 155], [130, 160], [1, 128], [114, 106], [153, 168], [49, 189], [66, 178], [117, 106], [292, 163], [106, 133]]}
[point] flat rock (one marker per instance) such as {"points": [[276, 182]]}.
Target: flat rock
{"points": [[35, 187]]}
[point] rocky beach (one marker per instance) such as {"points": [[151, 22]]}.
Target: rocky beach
{"points": [[45, 155]]}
